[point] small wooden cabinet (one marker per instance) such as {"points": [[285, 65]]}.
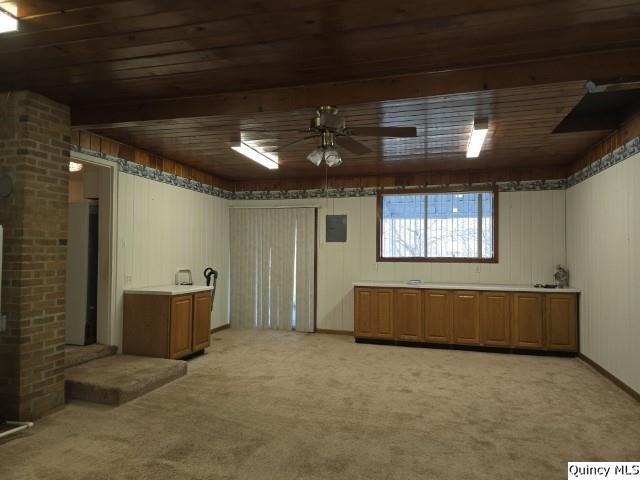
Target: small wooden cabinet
{"points": [[166, 325], [409, 307], [466, 318], [180, 326], [437, 316], [506, 319], [495, 317], [560, 312], [527, 320], [201, 320], [374, 313]]}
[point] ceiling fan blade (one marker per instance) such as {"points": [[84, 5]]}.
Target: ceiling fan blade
{"points": [[352, 145], [300, 140], [271, 130], [397, 132]]}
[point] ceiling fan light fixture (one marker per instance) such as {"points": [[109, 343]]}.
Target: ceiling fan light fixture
{"points": [[255, 155], [316, 156], [478, 134], [332, 158]]}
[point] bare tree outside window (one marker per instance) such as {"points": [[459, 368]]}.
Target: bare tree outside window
{"points": [[451, 225]]}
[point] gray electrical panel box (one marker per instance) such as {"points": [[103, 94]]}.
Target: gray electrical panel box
{"points": [[336, 228]]}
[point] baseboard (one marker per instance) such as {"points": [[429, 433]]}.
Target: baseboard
{"points": [[334, 332], [221, 327], [606, 373], [472, 348]]}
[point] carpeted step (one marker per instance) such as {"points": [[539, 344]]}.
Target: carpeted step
{"points": [[117, 379], [76, 354]]}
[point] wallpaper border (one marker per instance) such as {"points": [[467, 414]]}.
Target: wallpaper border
{"points": [[616, 156]]}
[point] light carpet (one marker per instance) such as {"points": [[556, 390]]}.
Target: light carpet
{"points": [[278, 405]]}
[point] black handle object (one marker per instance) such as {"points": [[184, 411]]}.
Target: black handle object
{"points": [[208, 273]]}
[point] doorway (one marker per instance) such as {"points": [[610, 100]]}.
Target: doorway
{"points": [[90, 254]]}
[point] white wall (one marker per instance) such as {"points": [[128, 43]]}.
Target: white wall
{"points": [[603, 243], [532, 242], [162, 228]]}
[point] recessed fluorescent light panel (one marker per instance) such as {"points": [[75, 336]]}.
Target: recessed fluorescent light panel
{"points": [[478, 134], [255, 155], [8, 22]]}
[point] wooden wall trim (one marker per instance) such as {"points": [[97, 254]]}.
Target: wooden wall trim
{"points": [[335, 332], [220, 328], [601, 370], [107, 146], [629, 130]]}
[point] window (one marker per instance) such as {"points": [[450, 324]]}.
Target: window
{"points": [[441, 226]]}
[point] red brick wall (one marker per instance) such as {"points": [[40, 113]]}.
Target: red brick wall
{"points": [[34, 138]]}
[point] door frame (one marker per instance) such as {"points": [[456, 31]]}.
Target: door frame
{"points": [[107, 321]]}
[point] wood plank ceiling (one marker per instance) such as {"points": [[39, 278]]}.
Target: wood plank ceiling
{"points": [[521, 121], [95, 54]]}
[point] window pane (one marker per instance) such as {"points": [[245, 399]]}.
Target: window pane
{"points": [[487, 225], [403, 225], [438, 225], [452, 225]]}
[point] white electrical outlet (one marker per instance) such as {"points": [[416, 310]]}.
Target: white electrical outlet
{"points": [[127, 280]]}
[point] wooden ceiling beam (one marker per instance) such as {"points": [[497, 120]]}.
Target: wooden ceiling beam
{"points": [[610, 66]]}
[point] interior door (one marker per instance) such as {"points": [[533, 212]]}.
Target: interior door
{"points": [[201, 320], [180, 332]]}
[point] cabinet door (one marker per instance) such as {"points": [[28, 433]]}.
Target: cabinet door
{"points": [[561, 322], [495, 316], [527, 320], [180, 332], [201, 320], [408, 318], [364, 314], [466, 318], [383, 299], [437, 316]]}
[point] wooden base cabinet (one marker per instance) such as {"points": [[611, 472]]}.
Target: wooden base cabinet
{"points": [[438, 312], [526, 320], [562, 329], [466, 318], [166, 326], [495, 319], [374, 313], [409, 314]]}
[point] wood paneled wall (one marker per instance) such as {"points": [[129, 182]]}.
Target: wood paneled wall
{"points": [[603, 245], [532, 242], [162, 228]]}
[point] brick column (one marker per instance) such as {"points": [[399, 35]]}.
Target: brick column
{"points": [[34, 138]]}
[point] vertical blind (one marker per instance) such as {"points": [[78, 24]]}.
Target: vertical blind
{"points": [[273, 268]]}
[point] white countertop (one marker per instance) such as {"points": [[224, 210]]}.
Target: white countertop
{"points": [[465, 286], [169, 289]]}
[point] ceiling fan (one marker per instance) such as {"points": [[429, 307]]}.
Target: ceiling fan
{"points": [[330, 128]]}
